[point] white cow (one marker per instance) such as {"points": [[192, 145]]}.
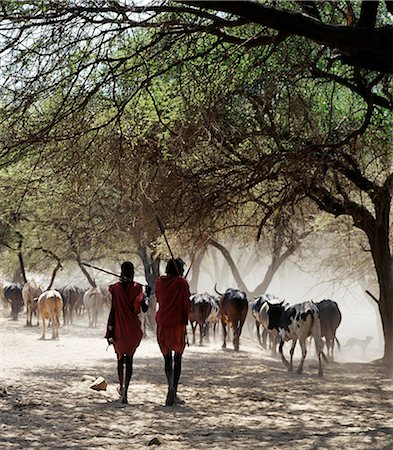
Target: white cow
{"points": [[30, 292], [297, 322], [50, 306], [94, 299]]}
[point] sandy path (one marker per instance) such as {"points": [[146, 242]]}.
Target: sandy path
{"points": [[233, 400]]}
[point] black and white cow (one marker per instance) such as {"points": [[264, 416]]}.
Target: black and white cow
{"points": [[214, 317], [297, 323], [330, 317], [260, 311]]}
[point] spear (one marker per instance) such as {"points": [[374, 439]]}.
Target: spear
{"points": [[106, 271]]}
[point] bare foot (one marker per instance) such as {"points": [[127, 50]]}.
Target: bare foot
{"points": [[170, 398], [178, 400]]}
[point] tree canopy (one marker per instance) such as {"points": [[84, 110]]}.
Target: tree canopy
{"points": [[242, 117]]}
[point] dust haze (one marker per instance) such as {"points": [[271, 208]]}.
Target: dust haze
{"points": [[243, 400]]}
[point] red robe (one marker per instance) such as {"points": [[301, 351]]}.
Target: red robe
{"points": [[173, 297], [126, 305]]}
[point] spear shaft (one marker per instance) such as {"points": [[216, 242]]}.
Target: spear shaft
{"points": [[106, 271]]}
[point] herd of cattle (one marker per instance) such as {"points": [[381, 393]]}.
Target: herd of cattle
{"points": [[280, 322], [52, 304]]}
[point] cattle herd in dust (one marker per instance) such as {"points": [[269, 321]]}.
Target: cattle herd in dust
{"points": [[276, 321]]}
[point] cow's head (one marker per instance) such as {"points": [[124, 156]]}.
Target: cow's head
{"points": [[275, 312]]}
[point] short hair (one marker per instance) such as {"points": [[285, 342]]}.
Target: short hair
{"points": [[175, 267], [127, 270]]}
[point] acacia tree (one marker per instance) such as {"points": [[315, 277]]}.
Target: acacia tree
{"points": [[59, 58], [256, 159]]}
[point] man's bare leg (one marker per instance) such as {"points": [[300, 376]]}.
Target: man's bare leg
{"points": [[128, 361], [170, 399]]}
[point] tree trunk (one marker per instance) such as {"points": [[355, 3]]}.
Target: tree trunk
{"points": [[382, 257], [54, 273], [384, 269], [235, 272], [21, 260], [151, 266], [196, 270], [86, 273]]}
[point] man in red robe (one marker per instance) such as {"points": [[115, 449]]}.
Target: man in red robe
{"points": [[173, 297], [124, 327]]}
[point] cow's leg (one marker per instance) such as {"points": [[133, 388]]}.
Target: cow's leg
{"points": [[303, 345], [283, 359], [291, 352], [207, 331], [30, 310], [42, 328], [235, 340], [55, 327], [224, 332], [257, 326], [273, 341], [316, 334], [128, 361], [318, 349], [193, 327], [200, 333], [237, 330], [169, 372]]}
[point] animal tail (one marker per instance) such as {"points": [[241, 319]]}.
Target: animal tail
{"points": [[338, 343]]}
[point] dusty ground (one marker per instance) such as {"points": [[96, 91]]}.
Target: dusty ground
{"points": [[242, 400]]}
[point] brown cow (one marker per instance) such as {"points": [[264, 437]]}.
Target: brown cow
{"points": [[233, 311], [30, 292], [50, 306], [72, 301], [201, 306]]}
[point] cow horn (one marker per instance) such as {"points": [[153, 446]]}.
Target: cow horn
{"points": [[215, 288]]}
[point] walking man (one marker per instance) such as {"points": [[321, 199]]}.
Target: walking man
{"points": [[173, 297], [124, 327]]}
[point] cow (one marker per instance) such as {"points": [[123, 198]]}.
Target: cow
{"points": [[201, 306], [94, 300], [50, 306], [330, 317], [30, 293], [148, 318], [233, 311], [214, 316], [297, 322], [260, 309], [72, 301], [2, 297], [13, 295]]}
